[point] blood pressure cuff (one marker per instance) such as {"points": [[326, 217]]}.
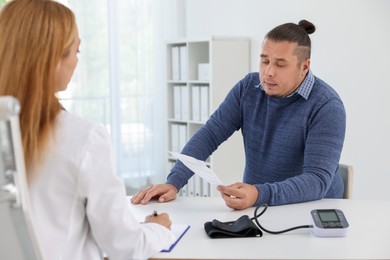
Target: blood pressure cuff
{"points": [[242, 227]]}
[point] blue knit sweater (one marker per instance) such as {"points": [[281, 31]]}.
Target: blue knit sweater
{"points": [[292, 145]]}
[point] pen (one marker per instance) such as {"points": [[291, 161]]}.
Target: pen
{"points": [[155, 213]]}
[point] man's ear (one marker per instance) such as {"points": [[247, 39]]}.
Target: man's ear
{"points": [[305, 66]]}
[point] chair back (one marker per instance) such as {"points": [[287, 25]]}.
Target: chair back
{"points": [[346, 172], [17, 234]]}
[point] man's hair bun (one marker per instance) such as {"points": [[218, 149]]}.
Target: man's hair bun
{"points": [[307, 26]]}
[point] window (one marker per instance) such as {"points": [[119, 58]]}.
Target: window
{"points": [[118, 82], [3, 2]]}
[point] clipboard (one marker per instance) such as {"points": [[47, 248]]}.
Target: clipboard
{"points": [[178, 230]]}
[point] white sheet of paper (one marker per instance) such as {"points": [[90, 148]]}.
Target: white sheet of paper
{"points": [[198, 167]]}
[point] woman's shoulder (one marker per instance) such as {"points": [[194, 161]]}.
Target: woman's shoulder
{"points": [[75, 121]]}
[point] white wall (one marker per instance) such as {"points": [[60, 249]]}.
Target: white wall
{"points": [[350, 50]]}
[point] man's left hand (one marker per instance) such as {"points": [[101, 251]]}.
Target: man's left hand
{"points": [[239, 195]]}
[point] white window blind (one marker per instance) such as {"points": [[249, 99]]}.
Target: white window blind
{"points": [[118, 82]]}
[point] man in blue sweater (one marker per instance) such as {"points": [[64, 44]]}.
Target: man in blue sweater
{"points": [[293, 128]]}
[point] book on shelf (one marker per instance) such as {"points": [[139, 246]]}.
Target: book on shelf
{"points": [[190, 187], [177, 102], [184, 191], [204, 103], [175, 137], [205, 189], [182, 136], [183, 62], [197, 185], [178, 136], [195, 103], [184, 102], [180, 102], [179, 63], [175, 62]]}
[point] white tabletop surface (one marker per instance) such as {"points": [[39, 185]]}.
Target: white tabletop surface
{"points": [[368, 235]]}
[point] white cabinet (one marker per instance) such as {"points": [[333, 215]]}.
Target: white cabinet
{"points": [[200, 74]]}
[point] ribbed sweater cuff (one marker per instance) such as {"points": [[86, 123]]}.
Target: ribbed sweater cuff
{"points": [[264, 194], [177, 182]]}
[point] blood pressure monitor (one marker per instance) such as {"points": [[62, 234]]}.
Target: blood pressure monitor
{"points": [[329, 223]]}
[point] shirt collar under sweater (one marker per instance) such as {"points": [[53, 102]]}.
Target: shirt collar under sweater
{"points": [[305, 88]]}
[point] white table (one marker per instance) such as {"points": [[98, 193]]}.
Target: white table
{"points": [[368, 236]]}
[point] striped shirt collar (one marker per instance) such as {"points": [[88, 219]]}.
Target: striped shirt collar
{"points": [[304, 89]]}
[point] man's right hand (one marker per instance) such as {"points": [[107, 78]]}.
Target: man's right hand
{"points": [[161, 192]]}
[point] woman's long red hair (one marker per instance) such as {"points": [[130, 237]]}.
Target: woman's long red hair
{"points": [[34, 36]]}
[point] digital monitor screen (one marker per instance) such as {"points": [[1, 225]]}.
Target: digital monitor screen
{"points": [[328, 216]]}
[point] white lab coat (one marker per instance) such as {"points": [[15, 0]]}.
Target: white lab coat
{"points": [[79, 204]]}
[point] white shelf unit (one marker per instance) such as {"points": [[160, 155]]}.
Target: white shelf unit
{"points": [[228, 60]]}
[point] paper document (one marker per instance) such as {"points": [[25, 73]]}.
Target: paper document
{"points": [[178, 231], [198, 167]]}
